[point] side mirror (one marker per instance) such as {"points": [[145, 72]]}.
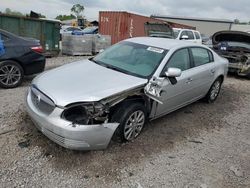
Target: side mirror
{"points": [[184, 37], [173, 72]]}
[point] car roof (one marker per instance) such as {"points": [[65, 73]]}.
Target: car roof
{"points": [[180, 29], [161, 42]]}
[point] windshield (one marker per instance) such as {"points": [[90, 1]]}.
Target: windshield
{"points": [[176, 33], [132, 58]]}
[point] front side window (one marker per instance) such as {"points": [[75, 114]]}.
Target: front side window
{"points": [[201, 56], [183, 33], [190, 35], [131, 58], [179, 60]]}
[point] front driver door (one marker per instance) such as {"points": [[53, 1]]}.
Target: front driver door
{"points": [[175, 96]]}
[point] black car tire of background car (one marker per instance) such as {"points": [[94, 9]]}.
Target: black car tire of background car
{"points": [[11, 74]]}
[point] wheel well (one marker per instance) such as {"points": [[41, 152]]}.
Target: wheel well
{"points": [[221, 77], [131, 99], [16, 61]]}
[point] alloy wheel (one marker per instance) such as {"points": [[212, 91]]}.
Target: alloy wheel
{"points": [[215, 90], [10, 75], [134, 125]]}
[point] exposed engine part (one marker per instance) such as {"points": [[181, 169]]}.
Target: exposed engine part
{"points": [[86, 113]]}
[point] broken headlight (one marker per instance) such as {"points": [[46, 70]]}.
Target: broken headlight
{"points": [[86, 113]]}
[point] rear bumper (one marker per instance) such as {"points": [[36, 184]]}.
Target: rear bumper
{"points": [[33, 63], [62, 132]]}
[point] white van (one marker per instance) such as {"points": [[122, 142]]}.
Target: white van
{"points": [[188, 35]]}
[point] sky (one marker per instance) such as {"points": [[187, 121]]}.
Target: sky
{"points": [[221, 9]]}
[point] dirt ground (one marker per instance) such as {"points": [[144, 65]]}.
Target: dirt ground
{"points": [[201, 145]]}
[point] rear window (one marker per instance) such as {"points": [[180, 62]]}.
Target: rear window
{"points": [[197, 36]]}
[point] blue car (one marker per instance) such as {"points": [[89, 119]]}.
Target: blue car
{"points": [[87, 30]]}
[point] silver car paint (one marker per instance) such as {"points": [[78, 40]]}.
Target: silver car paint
{"points": [[66, 134], [91, 82], [88, 82], [192, 85]]}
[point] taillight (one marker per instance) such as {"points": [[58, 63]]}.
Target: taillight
{"points": [[38, 49]]}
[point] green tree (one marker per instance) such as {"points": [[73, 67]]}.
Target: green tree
{"points": [[236, 21], [65, 17], [78, 9], [15, 13]]}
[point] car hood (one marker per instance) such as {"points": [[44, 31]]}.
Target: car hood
{"points": [[230, 36], [84, 81]]}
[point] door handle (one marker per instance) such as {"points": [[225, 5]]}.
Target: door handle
{"points": [[189, 80]]}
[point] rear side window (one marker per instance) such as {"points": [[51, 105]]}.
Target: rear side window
{"points": [[180, 60], [201, 56], [197, 36], [3, 37], [190, 35]]}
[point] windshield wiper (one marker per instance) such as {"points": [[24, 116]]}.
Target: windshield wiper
{"points": [[109, 66], [92, 59], [116, 69]]}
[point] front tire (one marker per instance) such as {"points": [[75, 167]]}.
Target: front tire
{"points": [[11, 74], [214, 91], [132, 118]]}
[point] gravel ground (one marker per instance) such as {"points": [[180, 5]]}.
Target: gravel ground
{"points": [[201, 145]]}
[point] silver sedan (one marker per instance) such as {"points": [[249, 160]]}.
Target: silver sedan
{"points": [[84, 104]]}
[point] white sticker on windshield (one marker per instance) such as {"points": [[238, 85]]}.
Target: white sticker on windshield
{"points": [[157, 50]]}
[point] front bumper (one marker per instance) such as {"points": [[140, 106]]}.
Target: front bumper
{"points": [[62, 132], [240, 68]]}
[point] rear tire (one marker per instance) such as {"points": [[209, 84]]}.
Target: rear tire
{"points": [[11, 74], [132, 118], [214, 91]]}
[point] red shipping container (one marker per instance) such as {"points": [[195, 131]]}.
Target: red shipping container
{"points": [[123, 25]]}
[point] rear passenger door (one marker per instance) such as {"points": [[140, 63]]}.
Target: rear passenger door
{"points": [[203, 70]]}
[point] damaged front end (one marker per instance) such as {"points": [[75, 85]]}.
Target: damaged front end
{"points": [[84, 125], [234, 46], [90, 113], [86, 113]]}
